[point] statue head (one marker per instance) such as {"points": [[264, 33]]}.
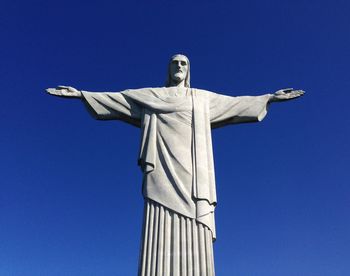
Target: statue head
{"points": [[178, 71]]}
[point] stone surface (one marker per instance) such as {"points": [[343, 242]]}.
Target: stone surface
{"points": [[177, 161]]}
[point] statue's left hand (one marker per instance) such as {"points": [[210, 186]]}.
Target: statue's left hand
{"points": [[286, 94], [64, 91]]}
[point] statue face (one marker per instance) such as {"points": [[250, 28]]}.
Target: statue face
{"points": [[178, 68]]}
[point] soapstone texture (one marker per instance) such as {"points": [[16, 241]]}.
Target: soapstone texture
{"points": [[176, 159]]}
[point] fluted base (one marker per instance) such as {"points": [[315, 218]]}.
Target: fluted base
{"points": [[174, 245]]}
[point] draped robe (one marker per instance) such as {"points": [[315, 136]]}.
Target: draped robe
{"points": [[176, 150]]}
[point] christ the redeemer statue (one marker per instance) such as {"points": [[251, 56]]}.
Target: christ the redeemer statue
{"points": [[176, 159]]}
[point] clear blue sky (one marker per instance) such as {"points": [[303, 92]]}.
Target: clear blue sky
{"points": [[70, 200]]}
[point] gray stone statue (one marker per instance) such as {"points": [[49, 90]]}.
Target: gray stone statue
{"points": [[176, 159]]}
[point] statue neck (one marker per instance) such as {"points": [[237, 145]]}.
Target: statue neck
{"points": [[178, 84]]}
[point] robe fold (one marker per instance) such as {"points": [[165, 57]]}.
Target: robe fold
{"points": [[176, 150], [177, 162]]}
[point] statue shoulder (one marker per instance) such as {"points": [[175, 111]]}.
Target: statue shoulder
{"points": [[144, 91], [203, 93]]}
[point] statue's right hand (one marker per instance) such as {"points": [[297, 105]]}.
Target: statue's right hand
{"points": [[64, 91]]}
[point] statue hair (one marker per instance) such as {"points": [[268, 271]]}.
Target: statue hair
{"points": [[187, 79]]}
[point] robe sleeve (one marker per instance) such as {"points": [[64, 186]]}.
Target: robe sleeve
{"points": [[226, 110], [113, 106]]}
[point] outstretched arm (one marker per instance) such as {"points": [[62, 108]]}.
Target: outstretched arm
{"points": [[104, 106], [226, 110]]}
